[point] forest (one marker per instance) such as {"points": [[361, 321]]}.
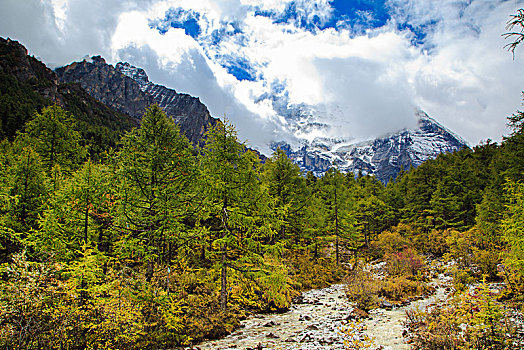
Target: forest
{"points": [[157, 244], [133, 238]]}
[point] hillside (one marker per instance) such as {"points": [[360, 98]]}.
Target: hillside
{"points": [[27, 85]]}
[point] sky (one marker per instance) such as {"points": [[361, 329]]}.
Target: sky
{"points": [[298, 70]]}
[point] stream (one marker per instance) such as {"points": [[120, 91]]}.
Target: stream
{"points": [[315, 322]]}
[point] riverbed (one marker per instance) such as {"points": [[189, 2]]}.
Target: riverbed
{"points": [[317, 321]]}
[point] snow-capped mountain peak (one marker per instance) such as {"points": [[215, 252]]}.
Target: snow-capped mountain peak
{"points": [[383, 156]]}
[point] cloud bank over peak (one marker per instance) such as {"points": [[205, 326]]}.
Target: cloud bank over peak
{"points": [[296, 69]]}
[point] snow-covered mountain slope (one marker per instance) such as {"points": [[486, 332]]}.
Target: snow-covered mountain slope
{"points": [[382, 157]]}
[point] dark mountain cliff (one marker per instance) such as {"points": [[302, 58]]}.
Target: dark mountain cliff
{"points": [[27, 85], [191, 114], [128, 90]]}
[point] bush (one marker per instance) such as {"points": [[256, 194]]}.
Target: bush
{"points": [[406, 262], [398, 288], [472, 252], [434, 242], [312, 273], [362, 289], [389, 242], [470, 321]]}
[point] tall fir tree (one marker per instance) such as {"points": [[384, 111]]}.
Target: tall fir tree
{"points": [[155, 173]]}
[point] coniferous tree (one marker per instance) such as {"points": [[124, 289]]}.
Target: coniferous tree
{"points": [[27, 190], [155, 172], [287, 187], [71, 219], [52, 134], [235, 203]]}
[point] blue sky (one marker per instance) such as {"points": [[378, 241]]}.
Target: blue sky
{"points": [[298, 70]]}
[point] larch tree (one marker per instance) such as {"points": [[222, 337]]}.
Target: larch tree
{"points": [[287, 188], [155, 174], [53, 136], [235, 203]]}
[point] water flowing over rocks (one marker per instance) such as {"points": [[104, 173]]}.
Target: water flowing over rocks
{"points": [[313, 322], [317, 318], [387, 326]]}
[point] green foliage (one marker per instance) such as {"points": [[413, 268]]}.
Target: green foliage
{"points": [[52, 134], [513, 226], [27, 191], [287, 188], [470, 321], [237, 204], [362, 288]]}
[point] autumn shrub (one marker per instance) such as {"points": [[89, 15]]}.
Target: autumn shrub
{"points": [[472, 320], [406, 262], [362, 288], [433, 242], [471, 251], [398, 288], [389, 242], [310, 272], [32, 301]]}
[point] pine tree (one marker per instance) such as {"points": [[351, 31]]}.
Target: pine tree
{"points": [[235, 203], [52, 134], [155, 173]]}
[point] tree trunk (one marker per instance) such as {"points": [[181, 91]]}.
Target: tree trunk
{"points": [[223, 286], [366, 234], [86, 223], [150, 270], [336, 228]]}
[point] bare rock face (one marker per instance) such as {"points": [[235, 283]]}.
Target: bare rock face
{"points": [[15, 61], [127, 89], [187, 111], [108, 85]]}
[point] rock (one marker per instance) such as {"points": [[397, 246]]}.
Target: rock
{"points": [[306, 339], [270, 324], [312, 327], [303, 318], [272, 335], [357, 314], [298, 299], [386, 305]]}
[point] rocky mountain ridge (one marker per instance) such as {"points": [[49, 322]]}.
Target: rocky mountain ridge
{"points": [[127, 89], [27, 85]]}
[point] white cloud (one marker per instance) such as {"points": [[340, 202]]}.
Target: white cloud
{"points": [[363, 85]]}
